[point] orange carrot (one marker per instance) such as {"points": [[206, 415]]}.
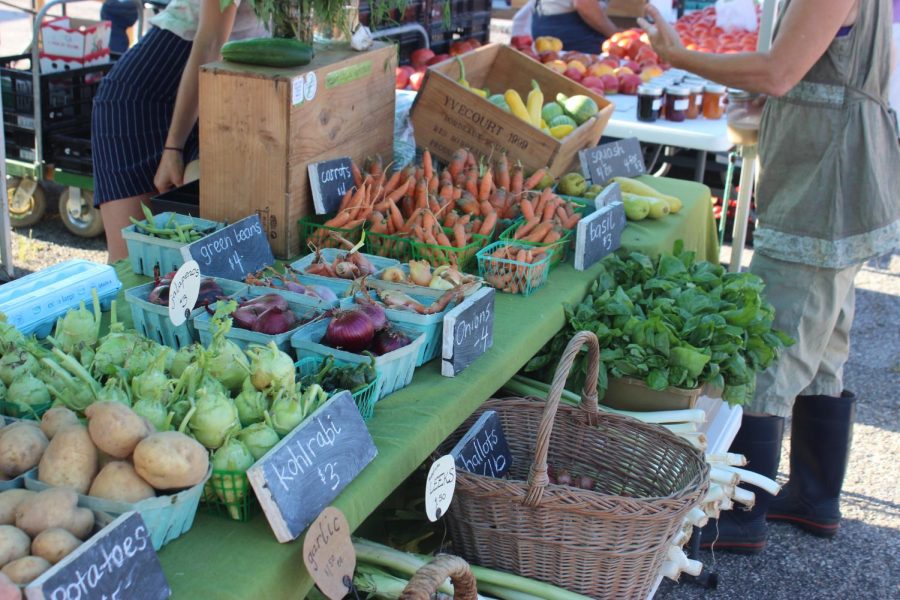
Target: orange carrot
{"points": [[427, 164], [396, 217], [446, 178], [484, 188], [357, 175], [422, 194], [552, 236], [502, 172], [457, 162], [534, 179], [441, 237], [572, 221], [428, 221], [467, 204], [527, 209], [517, 180], [393, 181], [459, 235], [561, 215], [539, 232], [378, 226], [549, 211], [471, 184], [465, 219], [450, 219], [485, 207], [470, 160], [490, 221], [526, 228], [345, 201], [339, 220], [446, 192], [399, 192]]}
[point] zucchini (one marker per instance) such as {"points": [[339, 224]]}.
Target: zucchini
{"points": [[269, 52]]}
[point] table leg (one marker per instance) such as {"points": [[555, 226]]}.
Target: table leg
{"points": [[700, 167], [742, 211]]}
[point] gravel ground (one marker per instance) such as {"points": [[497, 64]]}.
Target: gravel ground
{"points": [[863, 561]]}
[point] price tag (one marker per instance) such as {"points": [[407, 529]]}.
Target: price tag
{"points": [[598, 235], [610, 194], [183, 292], [439, 487], [328, 553], [468, 332], [622, 158]]}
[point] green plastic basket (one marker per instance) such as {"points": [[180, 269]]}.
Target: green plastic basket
{"points": [[437, 255], [220, 496], [390, 246], [313, 230], [512, 276], [560, 247], [365, 398]]}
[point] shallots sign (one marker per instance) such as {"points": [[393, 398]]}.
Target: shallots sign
{"points": [[232, 252]]}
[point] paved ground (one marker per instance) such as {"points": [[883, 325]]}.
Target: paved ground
{"points": [[862, 562]]}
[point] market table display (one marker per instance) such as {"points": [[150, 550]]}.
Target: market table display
{"points": [[410, 423]]}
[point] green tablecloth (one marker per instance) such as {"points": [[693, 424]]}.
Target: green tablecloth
{"points": [[223, 559]]}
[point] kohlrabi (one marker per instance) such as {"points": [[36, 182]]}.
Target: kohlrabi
{"points": [[215, 418], [271, 368], [230, 463]]}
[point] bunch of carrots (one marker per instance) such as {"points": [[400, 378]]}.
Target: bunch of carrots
{"points": [[519, 276], [443, 207], [547, 218]]}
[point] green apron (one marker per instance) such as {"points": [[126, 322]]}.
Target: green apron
{"points": [[829, 180]]}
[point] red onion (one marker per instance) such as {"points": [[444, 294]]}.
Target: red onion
{"points": [[586, 483], [210, 291], [159, 295], [274, 321], [265, 301], [388, 340], [349, 330], [244, 317], [374, 312], [564, 478]]}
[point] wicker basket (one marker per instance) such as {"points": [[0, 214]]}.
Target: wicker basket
{"points": [[429, 578], [606, 543]]}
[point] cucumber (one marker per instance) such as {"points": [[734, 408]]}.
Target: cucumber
{"points": [[269, 52]]}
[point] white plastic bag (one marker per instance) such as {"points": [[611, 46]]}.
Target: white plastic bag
{"points": [[736, 14]]}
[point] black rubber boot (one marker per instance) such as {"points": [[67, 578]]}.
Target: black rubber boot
{"points": [[821, 434], [744, 531]]}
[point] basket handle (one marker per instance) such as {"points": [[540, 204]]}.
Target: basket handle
{"points": [[538, 478], [429, 578]]}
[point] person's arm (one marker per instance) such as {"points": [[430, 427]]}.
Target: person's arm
{"points": [[593, 14], [213, 31], [807, 29]]}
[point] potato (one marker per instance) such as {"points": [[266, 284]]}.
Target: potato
{"points": [[21, 448], [118, 481], [25, 570], [54, 544], [14, 544], [70, 460], [9, 502], [170, 460], [54, 507], [55, 419], [8, 589], [115, 428]]}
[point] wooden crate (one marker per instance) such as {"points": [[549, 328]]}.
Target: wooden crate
{"points": [[261, 127], [446, 116]]}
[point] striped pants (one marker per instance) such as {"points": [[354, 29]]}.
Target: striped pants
{"points": [[131, 116]]}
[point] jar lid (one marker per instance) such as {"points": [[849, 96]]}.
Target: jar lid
{"points": [[697, 88], [714, 88], [649, 90], [738, 94], [677, 90]]}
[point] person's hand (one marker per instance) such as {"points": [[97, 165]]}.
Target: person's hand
{"points": [[170, 173], [663, 37]]}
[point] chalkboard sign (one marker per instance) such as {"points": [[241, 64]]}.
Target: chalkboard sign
{"points": [[329, 181], [483, 450], [611, 193], [232, 252], [622, 158], [118, 562], [599, 234], [306, 470], [468, 332]]}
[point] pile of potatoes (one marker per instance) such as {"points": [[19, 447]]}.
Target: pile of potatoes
{"points": [[118, 455], [37, 530], [22, 445]]}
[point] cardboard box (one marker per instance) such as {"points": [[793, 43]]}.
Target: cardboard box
{"points": [[446, 116], [58, 64], [260, 128], [75, 38]]}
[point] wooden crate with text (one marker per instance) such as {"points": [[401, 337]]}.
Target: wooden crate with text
{"points": [[446, 116], [260, 128]]}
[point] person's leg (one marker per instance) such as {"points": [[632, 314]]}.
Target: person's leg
{"points": [[807, 311], [821, 434], [116, 216]]}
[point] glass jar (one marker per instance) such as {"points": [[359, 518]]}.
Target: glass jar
{"points": [[677, 102], [649, 103], [744, 112], [713, 101], [696, 100]]}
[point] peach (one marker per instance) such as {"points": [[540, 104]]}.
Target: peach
{"points": [[578, 65], [557, 65], [599, 69]]}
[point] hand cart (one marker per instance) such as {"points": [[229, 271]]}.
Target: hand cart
{"points": [[46, 121]]}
